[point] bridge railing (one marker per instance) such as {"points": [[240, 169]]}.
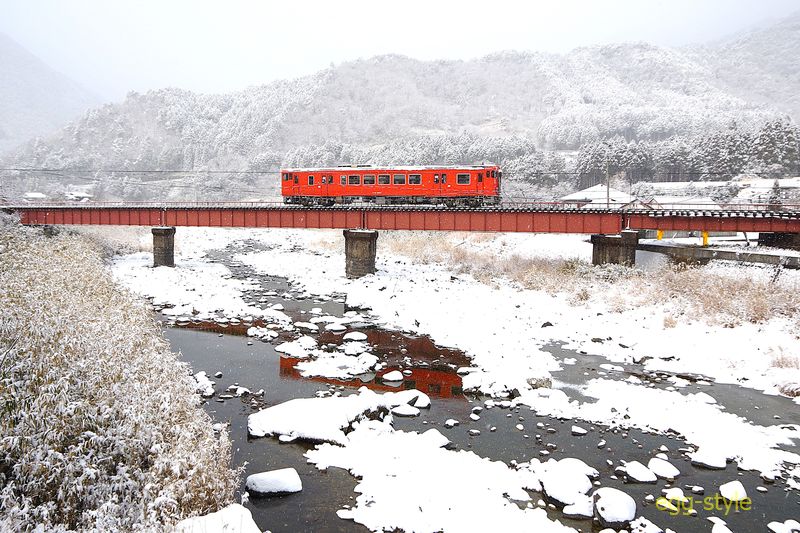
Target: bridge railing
{"points": [[506, 203]]}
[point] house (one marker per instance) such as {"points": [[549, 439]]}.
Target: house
{"points": [[597, 197]]}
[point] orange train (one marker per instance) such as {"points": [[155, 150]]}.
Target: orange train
{"points": [[453, 186]]}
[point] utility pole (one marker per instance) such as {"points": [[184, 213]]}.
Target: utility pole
{"points": [[608, 184]]}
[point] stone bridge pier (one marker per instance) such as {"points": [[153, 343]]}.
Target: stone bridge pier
{"points": [[360, 247], [163, 246], [615, 249]]}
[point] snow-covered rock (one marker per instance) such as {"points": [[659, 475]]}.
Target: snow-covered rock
{"points": [[231, 519], [394, 375], [405, 410], [789, 526], [567, 480], [613, 508], [297, 348], [261, 333], [733, 491], [636, 471], [282, 481], [324, 419], [355, 336], [336, 364], [581, 508], [204, 385], [662, 468]]}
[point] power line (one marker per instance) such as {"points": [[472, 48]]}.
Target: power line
{"points": [[63, 171], [129, 171]]}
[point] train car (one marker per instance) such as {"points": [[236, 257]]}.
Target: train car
{"points": [[453, 186]]}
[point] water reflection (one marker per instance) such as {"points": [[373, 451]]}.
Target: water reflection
{"points": [[429, 368], [435, 383]]}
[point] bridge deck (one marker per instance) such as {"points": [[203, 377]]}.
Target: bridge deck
{"points": [[537, 218]]}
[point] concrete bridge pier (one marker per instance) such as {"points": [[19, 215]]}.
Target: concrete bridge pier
{"points": [[360, 247], [615, 249], [164, 246]]}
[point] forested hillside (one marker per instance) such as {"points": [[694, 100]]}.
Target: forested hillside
{"points": [[554, 121]]}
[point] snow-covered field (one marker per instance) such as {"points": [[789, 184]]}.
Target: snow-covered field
{"points": [[502, 300]]}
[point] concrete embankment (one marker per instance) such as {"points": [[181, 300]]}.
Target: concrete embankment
{"points": [[688, 253]]}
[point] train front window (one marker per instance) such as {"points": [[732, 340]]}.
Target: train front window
{"points": [[414, 179], [354, 180], [369, 179], [311, 180], [399, 179], [383, 179], [285, 176], [462, 179]]}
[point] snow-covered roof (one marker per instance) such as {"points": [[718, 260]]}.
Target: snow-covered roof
{"points": [[34, 196], [370, 168], [597, 194], [684, 202], [79, 195]]}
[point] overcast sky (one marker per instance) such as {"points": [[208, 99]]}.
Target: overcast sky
{"points": [[114, 46]]}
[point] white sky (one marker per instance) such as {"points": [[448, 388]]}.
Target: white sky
{"points": [[114, 46]]}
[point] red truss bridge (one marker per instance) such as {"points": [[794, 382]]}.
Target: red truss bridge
{"points": [[612, 229]]}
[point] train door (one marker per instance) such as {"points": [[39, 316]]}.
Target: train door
{"points": [[445, 184], [295, 185], [327, 179]]}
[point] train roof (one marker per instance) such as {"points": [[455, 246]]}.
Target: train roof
{"points": [[362, 168]]}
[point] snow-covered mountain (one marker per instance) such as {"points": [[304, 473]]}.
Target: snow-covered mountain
{"points": [[376, 108], [35, 100], [762, 65]]}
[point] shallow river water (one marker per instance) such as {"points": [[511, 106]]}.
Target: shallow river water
{"points": [[256, 365]]}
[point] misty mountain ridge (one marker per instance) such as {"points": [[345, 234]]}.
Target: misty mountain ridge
{"points": [[35, 100], [633, 91]]}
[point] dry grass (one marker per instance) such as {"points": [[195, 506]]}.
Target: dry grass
{"points": [[118, 239], [693, 292], [102, 429], [782, 360]]}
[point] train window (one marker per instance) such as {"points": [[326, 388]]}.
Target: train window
{"points": [[462, 179], [383, 179], [480, 177], [444, 178], [399, 179], [414, 179], [295, 179], [436, 178], [285, 176], [311, 180], [493, 174], [369, 179], [343, 180], [354, 180]]}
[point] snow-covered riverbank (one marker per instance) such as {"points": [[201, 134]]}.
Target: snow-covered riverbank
{"points": [[506, 327], [102, 428]]}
